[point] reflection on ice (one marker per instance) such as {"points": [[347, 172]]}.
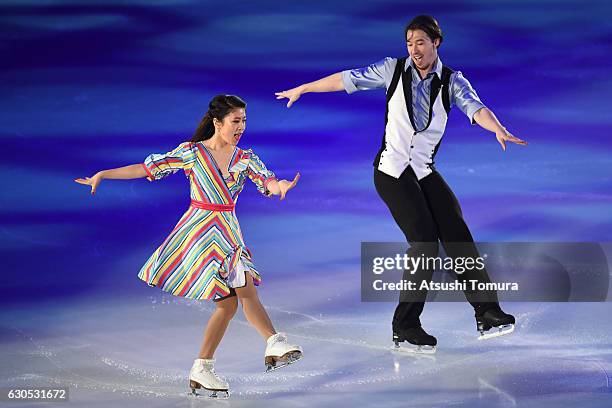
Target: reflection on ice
{"points": [[138, 350]]}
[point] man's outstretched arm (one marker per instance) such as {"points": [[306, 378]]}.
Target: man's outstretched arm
{"points": [[466, 99], [374, 76], [331, 83], [486, 119]]}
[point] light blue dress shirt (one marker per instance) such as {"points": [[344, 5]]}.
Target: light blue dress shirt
{"points": [[379, 75]]}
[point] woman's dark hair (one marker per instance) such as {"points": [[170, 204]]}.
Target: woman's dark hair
{"points": [[426, 23], [219, 107]]}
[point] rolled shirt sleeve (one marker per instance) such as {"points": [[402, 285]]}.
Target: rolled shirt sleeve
{"points": [[374, 76], [465, 97]]}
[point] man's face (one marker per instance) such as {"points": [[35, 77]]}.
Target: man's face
{"points": [[421, 49]]}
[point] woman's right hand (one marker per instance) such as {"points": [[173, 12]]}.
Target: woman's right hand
{"points": [[292, 94], [93, 181]]}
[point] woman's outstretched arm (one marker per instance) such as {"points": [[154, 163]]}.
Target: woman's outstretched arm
{"points": [[132, 171]]}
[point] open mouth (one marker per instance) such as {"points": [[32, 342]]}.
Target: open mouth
{"points": [[418, 59]]}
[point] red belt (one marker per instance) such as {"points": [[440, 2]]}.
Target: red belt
{"points": [[212, 207]]}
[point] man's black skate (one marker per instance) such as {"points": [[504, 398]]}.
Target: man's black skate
{"points": [[494, 323], [418, 341]]}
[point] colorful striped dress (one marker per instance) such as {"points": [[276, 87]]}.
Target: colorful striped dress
{"points": [[205, 255]]}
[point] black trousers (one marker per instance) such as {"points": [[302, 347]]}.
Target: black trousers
{"points": [[427, 211]]}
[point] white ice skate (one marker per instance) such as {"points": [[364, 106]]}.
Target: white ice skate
{"points": [[202, 375], [279, 353]]}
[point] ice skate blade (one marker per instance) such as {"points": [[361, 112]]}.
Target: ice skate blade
{"points": [[198, 391], [414, 349], [274, 363], [496, 332], [208, 394]]}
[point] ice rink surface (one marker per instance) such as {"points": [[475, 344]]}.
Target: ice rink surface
{"points": [[136, 352]]}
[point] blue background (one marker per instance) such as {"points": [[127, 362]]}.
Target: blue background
{"points": [[91, 85], [86, 86]]}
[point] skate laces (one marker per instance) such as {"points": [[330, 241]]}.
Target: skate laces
{"points": [[211, 369], [278, 338], [206, 366]]}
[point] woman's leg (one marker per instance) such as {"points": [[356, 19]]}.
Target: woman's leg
{"points": [[215, 329], [253, 309]]}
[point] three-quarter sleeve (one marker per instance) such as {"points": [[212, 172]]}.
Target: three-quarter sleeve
{"points": [[464, 96], [377, 75], [159, 166], [258, 173]]}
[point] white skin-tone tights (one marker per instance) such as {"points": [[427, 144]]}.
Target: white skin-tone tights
{"points": [[226, 309]]}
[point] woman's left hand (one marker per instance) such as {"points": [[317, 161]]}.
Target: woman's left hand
{"points": [[285, 185], [504, 136]]}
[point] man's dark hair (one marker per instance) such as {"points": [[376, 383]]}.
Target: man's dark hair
{"points": [[426, 23]]}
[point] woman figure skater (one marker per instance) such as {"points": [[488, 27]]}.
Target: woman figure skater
{"points": [[205, 257]]}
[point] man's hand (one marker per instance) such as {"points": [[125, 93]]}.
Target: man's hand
{"points": [[504, 136], [292, 94]]}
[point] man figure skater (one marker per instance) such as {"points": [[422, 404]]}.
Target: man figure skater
{"points": [[420, 93]]}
